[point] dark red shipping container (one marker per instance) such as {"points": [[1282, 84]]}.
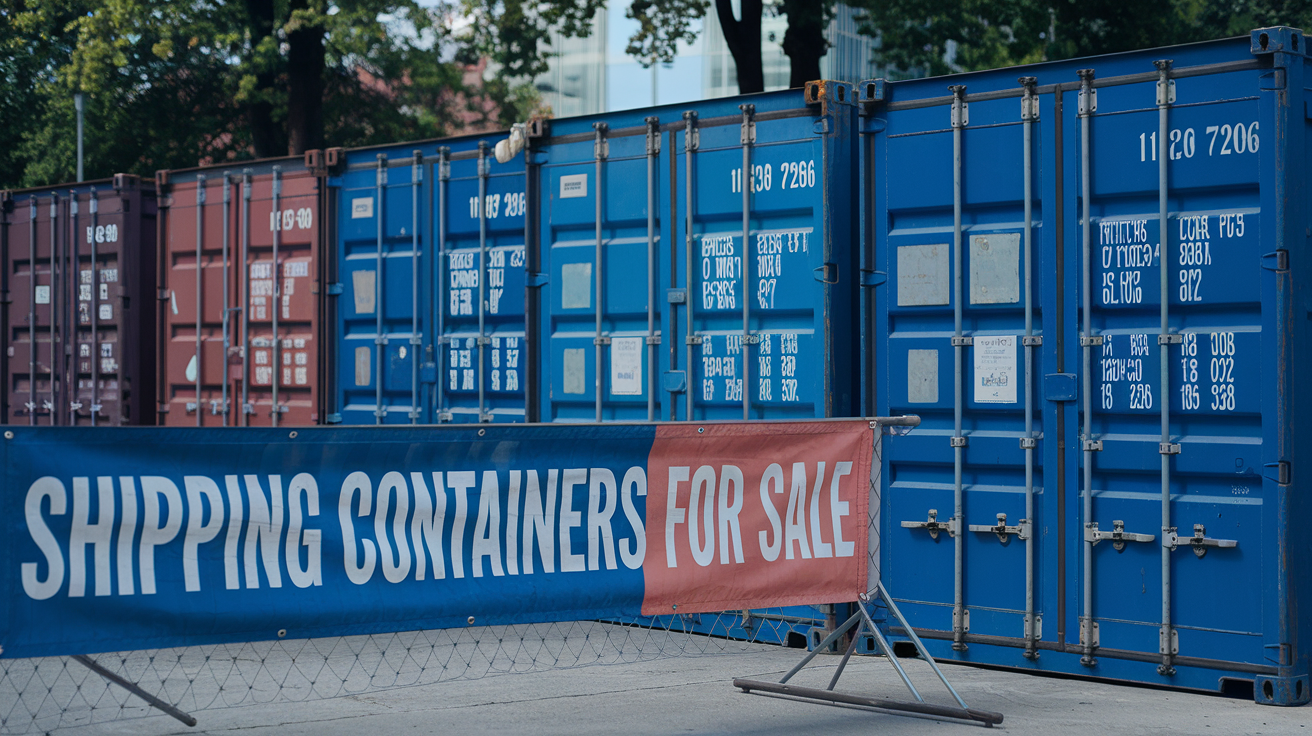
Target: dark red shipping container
{"points": [[77, 304], [241, 298]]}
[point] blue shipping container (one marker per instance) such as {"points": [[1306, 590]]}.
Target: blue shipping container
{"points": [[430, 317], [673, 286], [1091, 304]]}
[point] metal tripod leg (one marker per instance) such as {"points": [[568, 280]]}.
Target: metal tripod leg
{"points": [[920, 646], [135, 689]]}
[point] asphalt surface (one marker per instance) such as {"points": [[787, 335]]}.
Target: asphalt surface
{"points": [[694, 695]]}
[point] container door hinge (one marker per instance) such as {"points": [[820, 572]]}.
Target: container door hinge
{"points": [[871, 279], [335, 289], [956, 441], [162, 295], [444, 416], [960, 108], [1199, 541], [826, 274], [692, 340], [747, 131], [1003, 531], [1091, 342], [1092, 445], [961, 620], [536, 280], [159, 408], [676, 296], [1277, 261], [1168, 448], [963, 342], [1117, 536], [932, 525], [1278, 472], [333, 418], [1170, 338]]}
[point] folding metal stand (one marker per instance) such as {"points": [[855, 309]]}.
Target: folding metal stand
{"points": [[859, 621]]}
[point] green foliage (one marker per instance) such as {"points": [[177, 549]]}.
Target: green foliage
{"points": [[915, 34], [662, 24], [516, 34]]}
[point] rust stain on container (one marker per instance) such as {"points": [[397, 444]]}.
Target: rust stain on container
{"points": [[76, 307], [241, 303]]}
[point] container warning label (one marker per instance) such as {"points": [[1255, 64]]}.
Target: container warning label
{"points": [[995, 369], [573, 185], [626, 366], [362, 207]]}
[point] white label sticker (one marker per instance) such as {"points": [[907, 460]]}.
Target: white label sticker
{"points": [[626, 366], [43, 294], [106, 311], [573, 185], [995, 369], [362, 207]]}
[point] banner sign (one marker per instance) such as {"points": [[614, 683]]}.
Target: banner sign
{"points": [[132, 538]]}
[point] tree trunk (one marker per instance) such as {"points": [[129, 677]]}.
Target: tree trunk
{"points": [[305, 64], [743, 37], [259, 113], [804, 42]]}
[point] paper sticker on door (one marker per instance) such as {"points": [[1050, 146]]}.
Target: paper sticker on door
{"points": [[573, 185], [626, 366], [995, 369], [362, 207], [42, 294]]}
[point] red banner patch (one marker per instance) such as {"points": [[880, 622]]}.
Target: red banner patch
{"points": [[756, 515]]}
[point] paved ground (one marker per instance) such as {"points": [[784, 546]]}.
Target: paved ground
{"points": [[693, 695]]}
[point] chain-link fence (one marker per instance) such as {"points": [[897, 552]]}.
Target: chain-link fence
{"points": [[42, 694]]}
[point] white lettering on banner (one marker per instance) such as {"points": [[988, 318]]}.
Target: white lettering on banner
{"points": [[418, 526]]}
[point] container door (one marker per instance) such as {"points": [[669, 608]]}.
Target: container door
{"points": [[963, 346], [765, 202], [382, 235], [602, 227], [200, 291], [1178, 358], [480, 277]]}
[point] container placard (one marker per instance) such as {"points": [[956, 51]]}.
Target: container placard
{"points": [[995, 369], [626, 366]]}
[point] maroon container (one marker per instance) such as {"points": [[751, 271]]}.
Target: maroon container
{"points": [[77, 297], [241, 307]]}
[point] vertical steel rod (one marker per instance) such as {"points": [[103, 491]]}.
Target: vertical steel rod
{"points": [[1167, 636], [958, 350], [1029, 111], [443, 173], [416, 178], [653, 149], [75, 279], [380, 338], [56, 328], [227, 333], [482, 275], [689, 145], [276, 272], [95, 309], [598, 342], [200, 235], [1088, 636], [748, 136], [246, 408]]}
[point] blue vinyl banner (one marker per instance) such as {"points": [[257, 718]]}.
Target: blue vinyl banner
{"points": [[137, 538]]}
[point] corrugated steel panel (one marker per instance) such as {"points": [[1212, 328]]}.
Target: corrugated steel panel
{"points": [[430, 324], [78, 319], [678, 288], [1096, 334], [241, 299]]}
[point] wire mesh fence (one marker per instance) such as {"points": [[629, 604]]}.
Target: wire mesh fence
{"points": [[43, 694]]}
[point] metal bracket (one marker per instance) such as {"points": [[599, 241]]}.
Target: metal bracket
{"points": [[1033, 341], [380, 340], [1028, 443], [962, 342], [1029, 101], [1277, 261], [871, 279], [1118, 536], [483, 340], [750, 339], [692, 340], [1199, 541], [960, 108], [691, 136], [961, 622], [1003, 531], [601, 146], [445, 416], [1033, 627], [536, 280], [1088, 633], [933, 525], [1091, 342], [956, 441], [1088, 95], [1170, 338], [747, 131], [1165, 86], [676, 296], [1168, 448], [1168, 640], [653, 135], [1092, 445], [826, 274], [601, 341], [654, 340]]}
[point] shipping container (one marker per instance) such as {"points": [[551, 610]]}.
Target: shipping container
{"points": [[696, 262], [241, 308], [77, 304], [430, 317], [1092, 301]]}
